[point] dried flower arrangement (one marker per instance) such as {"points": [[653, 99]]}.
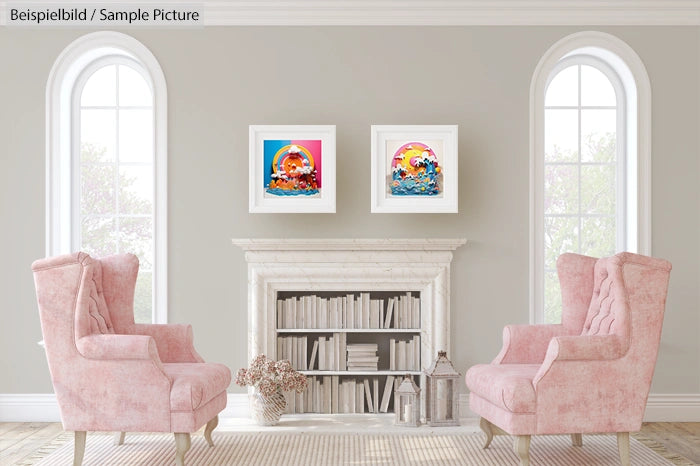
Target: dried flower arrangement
{"points": [[269, 376]]}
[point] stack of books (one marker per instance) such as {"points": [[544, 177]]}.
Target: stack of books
{"points": [[362, 357]]}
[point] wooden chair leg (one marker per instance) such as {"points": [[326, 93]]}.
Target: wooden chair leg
{"points": [[577, 440], [211, 425], [119, 438], [79, 447], [487, 428], [623, 446], [182, 444], [521, 445]]}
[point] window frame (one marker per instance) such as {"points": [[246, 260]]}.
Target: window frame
{"points": [[65, 83], [619, 60]]}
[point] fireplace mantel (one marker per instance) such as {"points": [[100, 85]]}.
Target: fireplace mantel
{"points": [[281, 264]]}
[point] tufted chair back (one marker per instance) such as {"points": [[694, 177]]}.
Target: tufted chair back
{"points": [[609, 311], [91, 312], [71, 305]]}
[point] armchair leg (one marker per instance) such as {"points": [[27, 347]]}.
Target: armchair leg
{"points": [[487, 428], [211, 425], [577, 440], [79, 448], [623, 446], [182, 444], [521, 445], [119, 438]]}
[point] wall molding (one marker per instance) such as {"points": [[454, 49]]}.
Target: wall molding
{"points": [[42, 407], [430, 12], [29, 407]]}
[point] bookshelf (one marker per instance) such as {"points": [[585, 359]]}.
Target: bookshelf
{"points": [[354, 347], [286, 267]]}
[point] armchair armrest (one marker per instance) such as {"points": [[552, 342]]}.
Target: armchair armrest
{"points": [[175, 342], [527, 344], [118, 347], [586, 347], [583, 349]]}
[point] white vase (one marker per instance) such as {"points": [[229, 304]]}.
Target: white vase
{"points": [[266, 410]]}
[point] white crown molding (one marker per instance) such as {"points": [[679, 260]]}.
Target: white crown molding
{"points": [[356, 244], [431, 12], [43, 407]]}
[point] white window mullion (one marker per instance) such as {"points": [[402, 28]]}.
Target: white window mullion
{"points": [[117, 212], [580, 159]]}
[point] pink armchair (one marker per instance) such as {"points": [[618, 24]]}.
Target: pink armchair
{"points": [[592, 372], [110, 374]]}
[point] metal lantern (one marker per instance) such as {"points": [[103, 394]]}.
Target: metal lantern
{"points": [[407, 403], [441, 392]]}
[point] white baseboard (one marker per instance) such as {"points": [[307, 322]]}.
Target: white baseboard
{"points": [[30, 407], [42, 407], [237, 405], [673, 407]]}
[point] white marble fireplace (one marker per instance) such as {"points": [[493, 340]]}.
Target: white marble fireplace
{"points": [[315, 265]]}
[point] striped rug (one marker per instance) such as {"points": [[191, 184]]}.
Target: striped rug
{"points": [[317, 449]]}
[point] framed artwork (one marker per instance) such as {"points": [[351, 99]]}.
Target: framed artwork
{"points": [[292, 168], [414, 168]]}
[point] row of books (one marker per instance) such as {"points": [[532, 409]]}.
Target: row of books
{"points": [[330, 395], [348, 311], [404, 354], [333, 353], [327, 353]]}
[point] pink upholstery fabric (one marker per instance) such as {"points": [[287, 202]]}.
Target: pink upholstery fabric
{"points": [[107, 372], [175, 341], [593, 376], [526, 344], [508, 386], [513, 423], [195, 384]]}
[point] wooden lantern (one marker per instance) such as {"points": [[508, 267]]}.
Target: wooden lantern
{"points": [[441, 392], [407, 403]]}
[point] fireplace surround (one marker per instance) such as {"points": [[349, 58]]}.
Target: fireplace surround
{"points": [[349, 265]]}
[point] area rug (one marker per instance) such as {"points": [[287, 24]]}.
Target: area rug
{"points": [[317, 449]]}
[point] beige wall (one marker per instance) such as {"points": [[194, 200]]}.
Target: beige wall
{"points": [[220, 80]]}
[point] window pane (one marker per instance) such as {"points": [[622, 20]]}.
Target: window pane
{"points": [[596, 88], [598, 189], [101, 88], [598, 135], [136, 136], [133, 89], [561, 189], [598, 236], [563, 88], [560, 135], [98, 236], [552, 298], [560, 236], [97, 188], [98, 128], [136, 237], [143, 296], [135, 189]]}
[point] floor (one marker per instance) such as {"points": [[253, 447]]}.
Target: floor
{"points": [[19, 440]]}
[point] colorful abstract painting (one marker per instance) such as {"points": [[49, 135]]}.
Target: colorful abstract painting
{"points": [[415, 168], [292, 167]]}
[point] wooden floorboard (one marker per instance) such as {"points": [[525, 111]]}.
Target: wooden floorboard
{"points": [[681, 438], [40, 435], [20, 440]]}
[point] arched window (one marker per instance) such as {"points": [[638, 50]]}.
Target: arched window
{"points": [[106, 158], [590, 100]]}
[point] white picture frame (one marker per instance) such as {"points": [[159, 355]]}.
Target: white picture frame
{"points": [[287, 194], [392, 194]]}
